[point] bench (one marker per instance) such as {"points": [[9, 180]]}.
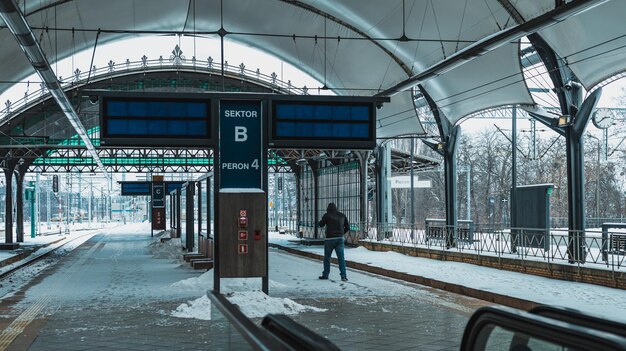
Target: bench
{"points": [[436, 229], [614, 243], [203, 259]]}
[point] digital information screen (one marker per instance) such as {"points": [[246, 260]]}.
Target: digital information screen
{"points": [[130, 121], [171, 186], [145, 188], [314, 124], [136, 188]]}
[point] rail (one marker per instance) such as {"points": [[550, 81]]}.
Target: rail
{"points": [[83, 78], [504, 328], [294, 334], [279, 332], [256, 337]]}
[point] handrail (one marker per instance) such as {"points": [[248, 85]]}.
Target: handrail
{"points": [[257, 338], [573, 316], [524, 325], [296, 335], [80, 78]]}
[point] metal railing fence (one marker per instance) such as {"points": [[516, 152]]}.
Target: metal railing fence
{"points": [[554, 245], [588, 248]]}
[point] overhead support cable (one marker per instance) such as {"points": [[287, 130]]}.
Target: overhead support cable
{"points": [[493, 42], [16, 22]]}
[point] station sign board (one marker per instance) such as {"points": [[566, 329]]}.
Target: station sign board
{"points": [[158, 203], [241, 158]]}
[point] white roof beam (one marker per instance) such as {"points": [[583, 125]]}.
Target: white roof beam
{"points": [[493, 42]]}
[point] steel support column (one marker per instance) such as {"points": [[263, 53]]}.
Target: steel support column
{"points": [[383, 190], [449, 135], [363, 157], [199, 184], [20, 172], [450, 170], [575, 117], [8, 207], [316, 216], [189, 229]]}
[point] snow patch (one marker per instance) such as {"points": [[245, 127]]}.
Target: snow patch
{"points": [[253, 304], [204, 282], [199, 308], [256, 304]]}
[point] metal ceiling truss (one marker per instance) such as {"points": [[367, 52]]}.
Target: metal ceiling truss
{"points": [[127, 160]]}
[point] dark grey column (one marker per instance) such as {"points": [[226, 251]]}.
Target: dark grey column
{"points": [[576, 177], [447, 149], [449, 135], [316, 215], [189, 229], [8, 216], [295, 169], [378, 177], [199, 209], [449, 157], [363, 157], [19, 203], [573, 133]]}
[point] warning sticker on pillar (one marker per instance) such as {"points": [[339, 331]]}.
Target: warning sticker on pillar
{"points": [[241, 144]]}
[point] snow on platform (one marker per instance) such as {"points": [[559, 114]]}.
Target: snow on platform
{"points": [[603, 301]]}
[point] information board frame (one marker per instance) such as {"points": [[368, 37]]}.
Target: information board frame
{"points": [[207, 139], [298, 142]]}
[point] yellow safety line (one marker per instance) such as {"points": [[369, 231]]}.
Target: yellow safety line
{"points": [[20, 323]]}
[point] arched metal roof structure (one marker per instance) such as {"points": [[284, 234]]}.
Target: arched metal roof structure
{"points": [[465, 54]]}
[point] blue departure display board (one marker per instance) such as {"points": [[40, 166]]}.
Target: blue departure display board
{"points": [[155, 121], [136, 188], [146, 188], [312, 124], [171, 186]]}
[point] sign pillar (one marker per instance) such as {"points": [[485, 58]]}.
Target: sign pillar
{"points": [[241, 235], [30, 195], [158, 204]]}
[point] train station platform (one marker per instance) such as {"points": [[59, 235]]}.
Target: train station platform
{"points": [[121, 289], [514, 289]]}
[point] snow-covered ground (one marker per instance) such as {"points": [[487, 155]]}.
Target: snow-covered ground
{"points": [[291, 277], [51, 240], [593, 299]]}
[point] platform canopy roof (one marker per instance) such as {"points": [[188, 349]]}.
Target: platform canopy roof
{"points": [[465, 54]]}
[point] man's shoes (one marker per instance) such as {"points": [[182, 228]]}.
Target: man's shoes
{"points": [[344, 279], [322, 277]]}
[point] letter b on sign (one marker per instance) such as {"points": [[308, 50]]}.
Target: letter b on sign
{"points": [[241, 133]]}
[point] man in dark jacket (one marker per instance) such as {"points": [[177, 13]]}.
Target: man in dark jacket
{"points": [[336, 226]]}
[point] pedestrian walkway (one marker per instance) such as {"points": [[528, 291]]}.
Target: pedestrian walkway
{"points": [[121, 289], [603, 301]]}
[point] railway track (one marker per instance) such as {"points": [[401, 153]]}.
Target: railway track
{"points": [[40, 254]]}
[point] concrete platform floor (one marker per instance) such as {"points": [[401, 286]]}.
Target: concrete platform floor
{"points": [[114, 293]]}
